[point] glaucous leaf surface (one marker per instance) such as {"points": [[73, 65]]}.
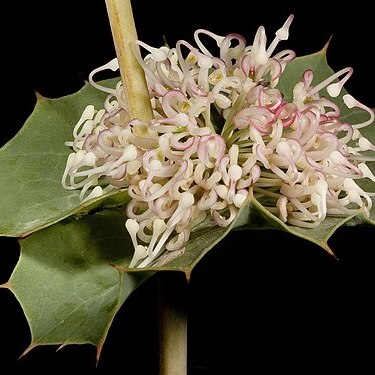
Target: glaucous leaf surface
{"points": [[32, 163], [67, 282], [76, 269]]}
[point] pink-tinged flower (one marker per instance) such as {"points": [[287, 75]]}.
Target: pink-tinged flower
{"points": [[222, 130]]}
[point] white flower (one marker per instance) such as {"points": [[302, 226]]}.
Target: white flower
{"points": [[222, 130]]}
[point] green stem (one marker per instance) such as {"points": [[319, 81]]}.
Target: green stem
{"points": [[133, 79], [173, 288]]}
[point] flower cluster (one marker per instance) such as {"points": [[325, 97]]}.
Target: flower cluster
{"points": [[222, 131]]}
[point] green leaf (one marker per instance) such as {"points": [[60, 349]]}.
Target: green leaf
{"points": [[77, 268], [32, 163], [317, 62], [66, 281], [251, 216], [254, 215], [294, 70]]}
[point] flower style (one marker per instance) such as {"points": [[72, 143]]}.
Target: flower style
{"points": [[222, 131]]}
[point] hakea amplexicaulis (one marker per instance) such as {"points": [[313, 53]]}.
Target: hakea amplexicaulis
{"points": [[221, 130]]}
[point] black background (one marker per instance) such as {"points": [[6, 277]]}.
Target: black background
{"points": [[261, 302]]}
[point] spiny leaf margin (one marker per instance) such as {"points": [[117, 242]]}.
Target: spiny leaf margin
{"points": [[71, 294], [32, 163]]}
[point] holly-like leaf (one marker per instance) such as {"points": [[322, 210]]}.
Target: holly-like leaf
{"points": [[77, 268], [294, 70], [317, 62], [66, 280], [253, 215], [32, 163]]}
